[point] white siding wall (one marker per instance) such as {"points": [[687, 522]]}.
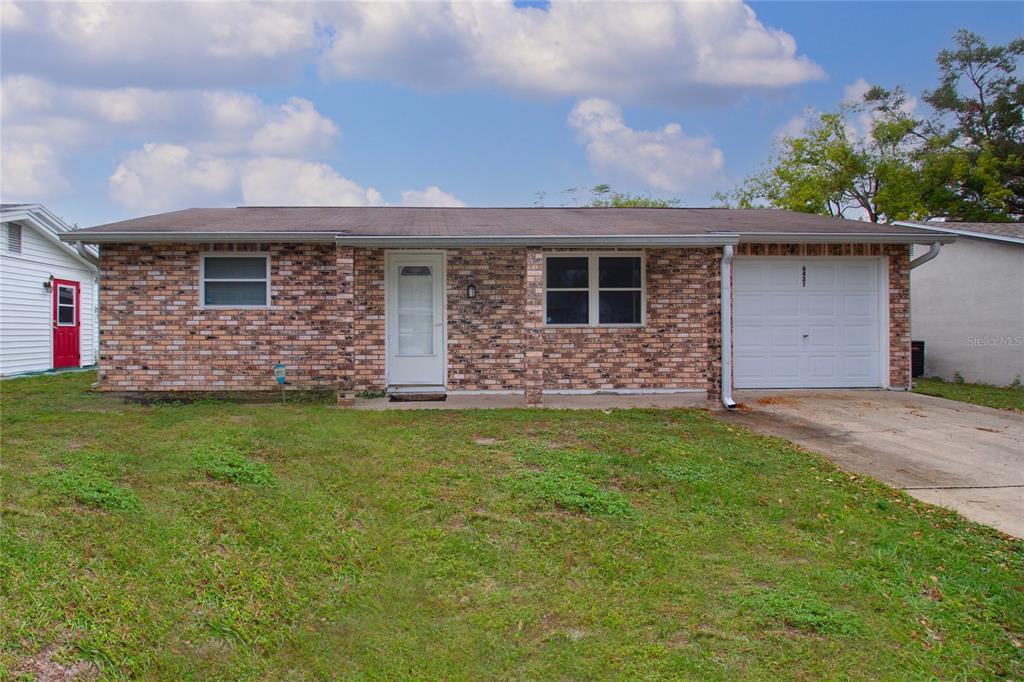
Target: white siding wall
{"points": [[967, 306], [26, 308]]}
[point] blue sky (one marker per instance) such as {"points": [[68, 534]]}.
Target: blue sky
{"points": [[280, 104]]}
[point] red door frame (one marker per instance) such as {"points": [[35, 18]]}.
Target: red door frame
{"points": [[67, 338]]}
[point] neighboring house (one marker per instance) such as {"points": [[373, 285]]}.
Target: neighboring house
{"points": [[48, 294], [526, 301], [967, 304]]}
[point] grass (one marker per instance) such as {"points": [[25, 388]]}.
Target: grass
{"points": [[1003, 397], [215, 540]]}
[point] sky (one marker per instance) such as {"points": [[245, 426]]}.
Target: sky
{"points": [[115, 110]]}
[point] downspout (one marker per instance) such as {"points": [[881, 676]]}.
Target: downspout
{"points": [[726, 315], [933, 251], [84, 253]]}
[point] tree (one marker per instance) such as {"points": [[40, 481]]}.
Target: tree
{"points": [[834, 168], [974, 158], [603, 196], [964, 162]]}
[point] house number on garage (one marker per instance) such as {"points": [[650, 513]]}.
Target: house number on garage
{"points": [[803, 276]]}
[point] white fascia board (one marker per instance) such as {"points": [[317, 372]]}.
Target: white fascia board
{"points": [[196, 237], [593, 241], [51, 228], [962, 233], [851, 238]]}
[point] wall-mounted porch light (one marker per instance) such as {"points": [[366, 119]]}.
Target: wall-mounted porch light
{"points": [[471, 291], [48, 283]]}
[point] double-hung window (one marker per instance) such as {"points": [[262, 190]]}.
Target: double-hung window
{"points": [[235, 280], [594, 290]]}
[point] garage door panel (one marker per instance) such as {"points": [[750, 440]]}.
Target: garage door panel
{"points": [[821, 305], [749, 305], [822, 276], [822, 337], [821, 366], [814, 328], [784, 305], [786, 276], [785, 337], [860, 277]]}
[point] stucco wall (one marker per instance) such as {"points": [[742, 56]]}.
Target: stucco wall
{"points": [[967, 305]]}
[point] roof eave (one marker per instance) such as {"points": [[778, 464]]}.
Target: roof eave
{"points": [[964, 233], [851, 238], [634, 241], [151, 237]]}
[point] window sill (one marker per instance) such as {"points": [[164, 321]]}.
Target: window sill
{"points": [[594, 326], [234, 307]]}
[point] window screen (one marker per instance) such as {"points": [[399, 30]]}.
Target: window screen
{"points": [[235, 281], [594, 290]]}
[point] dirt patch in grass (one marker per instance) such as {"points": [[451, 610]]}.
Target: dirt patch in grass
{"points": [[776, 400], [42, 668]]}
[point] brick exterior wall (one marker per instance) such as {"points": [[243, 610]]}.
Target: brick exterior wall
{"points": [[668, 352], [369, 320], [326, 322], [154, 336], [486, 344]]}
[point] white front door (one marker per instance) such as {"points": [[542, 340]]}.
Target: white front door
{"points": [[807, 322], [416, 318]]}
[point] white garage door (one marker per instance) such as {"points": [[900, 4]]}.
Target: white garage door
{"points": [[806, 322]]}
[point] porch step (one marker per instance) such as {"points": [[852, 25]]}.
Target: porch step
{"points": [[417, 396]]}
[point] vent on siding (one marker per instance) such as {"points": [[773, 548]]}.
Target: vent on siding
{"points": [[14, 238]]}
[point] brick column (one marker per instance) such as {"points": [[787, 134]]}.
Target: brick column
{"points": [[533, 327], [899, 316], [345, 361]]}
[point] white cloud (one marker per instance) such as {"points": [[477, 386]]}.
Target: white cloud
{"points": [[431, 196], [796, 125], [681, 53], [292, 182], [665, 159], [29, 172], [295, 128], [855, 91], [181, 44], [161, 177]]}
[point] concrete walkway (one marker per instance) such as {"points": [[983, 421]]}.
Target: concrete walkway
{"points": [[953, 454]]}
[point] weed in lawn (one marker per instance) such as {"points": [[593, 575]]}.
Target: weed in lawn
{"points": [[799, 609], [571, 491], [222, 461], [93, 489]]}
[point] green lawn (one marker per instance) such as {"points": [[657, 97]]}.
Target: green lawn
{"points": [[1004, 397], [306, 542]]}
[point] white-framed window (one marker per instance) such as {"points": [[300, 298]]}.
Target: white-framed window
{"points": [[66, 307], [234, 280], [13, 238], [594, 289]]}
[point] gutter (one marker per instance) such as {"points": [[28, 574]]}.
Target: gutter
{"points": [[726, 315], [442, 241], [851, 238], [933, 251], [86, 254], [195, 237]]}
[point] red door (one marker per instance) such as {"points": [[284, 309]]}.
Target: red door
{"points": [[66, 324]]}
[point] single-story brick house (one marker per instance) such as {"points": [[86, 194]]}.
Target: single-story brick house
{"points": [[518, 300]]}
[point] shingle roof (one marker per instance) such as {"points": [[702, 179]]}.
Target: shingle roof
{"points": [[396, 222], [1012, 230]]}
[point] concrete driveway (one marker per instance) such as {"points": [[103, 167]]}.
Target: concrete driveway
{"points": [[953, 454]]}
